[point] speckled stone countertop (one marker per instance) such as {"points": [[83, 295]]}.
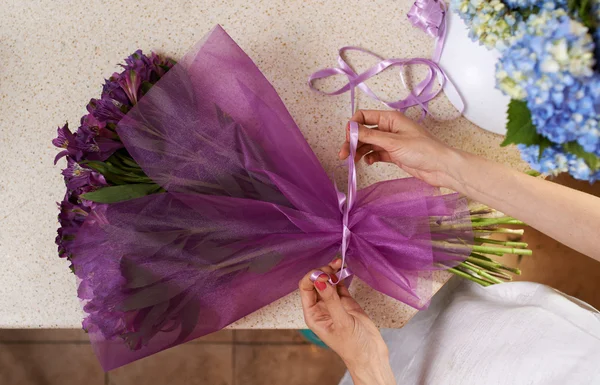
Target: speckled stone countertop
{"points": [[54, 55]]}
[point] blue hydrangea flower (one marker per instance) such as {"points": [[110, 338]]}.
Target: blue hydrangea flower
{"points": [[542, 4], [567, 110], [555, 161], [550, 48], [490, 22]]}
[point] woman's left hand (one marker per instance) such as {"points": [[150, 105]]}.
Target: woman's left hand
{"points": [[340, 322]]}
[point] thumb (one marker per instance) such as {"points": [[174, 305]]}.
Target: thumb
{"points": [[375, 137], [331, 299]]}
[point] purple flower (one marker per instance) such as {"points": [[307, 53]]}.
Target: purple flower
{"points": [[66, 140], [138, 69], [99, 148], [112, 90], [77, 176], [71, 217], [90, 126], [106, 110], [161, 64]]}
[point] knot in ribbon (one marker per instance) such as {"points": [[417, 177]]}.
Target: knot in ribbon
{"points": [[429, 15]]}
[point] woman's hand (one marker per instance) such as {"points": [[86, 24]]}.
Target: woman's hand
{"points": [[399, 140], [342, 324], [569, 216]]}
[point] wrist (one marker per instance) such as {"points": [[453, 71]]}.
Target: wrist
{"points": [[371, 369], [453, 162], [375, 372]]}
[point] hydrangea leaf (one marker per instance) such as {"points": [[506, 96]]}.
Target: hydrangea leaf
{"points": [[520, 128], [113, 194], [590, 159], [583, 10]]}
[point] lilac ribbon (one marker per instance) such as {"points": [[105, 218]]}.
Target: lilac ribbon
{"points": [[428, 15], [347, 201]]}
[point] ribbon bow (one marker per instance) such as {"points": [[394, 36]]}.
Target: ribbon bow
{"points": [[428, 15]]}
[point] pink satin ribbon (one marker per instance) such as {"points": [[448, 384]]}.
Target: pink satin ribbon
{"points": [[428, 15]]}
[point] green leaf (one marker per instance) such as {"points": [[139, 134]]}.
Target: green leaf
{"points": [[582, 9], [145, 87], [116, 175], [572, 5], [520, 128], [526, 12], [533, 173], [113, 194], [585, 13], [544, 144], [590, 159]]}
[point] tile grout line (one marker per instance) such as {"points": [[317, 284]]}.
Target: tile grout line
{"points": [[233, 366], [240, 343], [44, 342]]}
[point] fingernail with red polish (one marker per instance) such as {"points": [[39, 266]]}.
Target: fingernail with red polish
{"points": [[323, 276], [348, 126], [320, 285], [334, 278]]}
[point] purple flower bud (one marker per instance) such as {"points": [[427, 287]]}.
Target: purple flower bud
{"points": [[77, 176], [112, 90], [106, 110], [66, 140]]}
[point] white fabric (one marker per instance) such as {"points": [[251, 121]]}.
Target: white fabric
{"points": [[514, 333]]}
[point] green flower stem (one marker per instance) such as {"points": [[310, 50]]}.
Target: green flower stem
{"points": [[447, 246], [480, 272], [489, 224], [501, 275], [468, 276], [501, 230], [483, 257], [492, 265], [503, 250], [503, 243], [482, 222]]}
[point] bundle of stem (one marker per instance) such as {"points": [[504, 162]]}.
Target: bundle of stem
{"points": [[481, 265]]}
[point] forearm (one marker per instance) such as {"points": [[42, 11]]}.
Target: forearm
{"points": [[569, 216], [375, 373]]}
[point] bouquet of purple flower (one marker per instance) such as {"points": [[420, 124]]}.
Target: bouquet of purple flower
{"points": [[96, 157], [189, 186], [549, 69]]}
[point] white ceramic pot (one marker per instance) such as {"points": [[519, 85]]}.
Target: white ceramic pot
{"points": [[472, 67]]}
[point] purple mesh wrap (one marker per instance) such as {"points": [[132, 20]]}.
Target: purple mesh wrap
{"points": [[246, 202]]}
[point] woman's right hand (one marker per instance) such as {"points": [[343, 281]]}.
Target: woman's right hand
{"points": [[402, 141]]}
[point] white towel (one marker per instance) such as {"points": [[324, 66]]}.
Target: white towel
{"points": [[513, 333]]}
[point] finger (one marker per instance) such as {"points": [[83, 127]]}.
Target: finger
{"points": [[362, 151], [384, 120], [378, 156], [376, 137], [342, 290], [336, 264], [345, 151], [308, 296], [331, 299]]}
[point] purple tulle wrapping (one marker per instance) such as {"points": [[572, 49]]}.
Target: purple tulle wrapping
{"points": [[246, 202]]}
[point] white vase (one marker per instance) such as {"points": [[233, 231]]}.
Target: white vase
{"points": [[472, 67]]}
